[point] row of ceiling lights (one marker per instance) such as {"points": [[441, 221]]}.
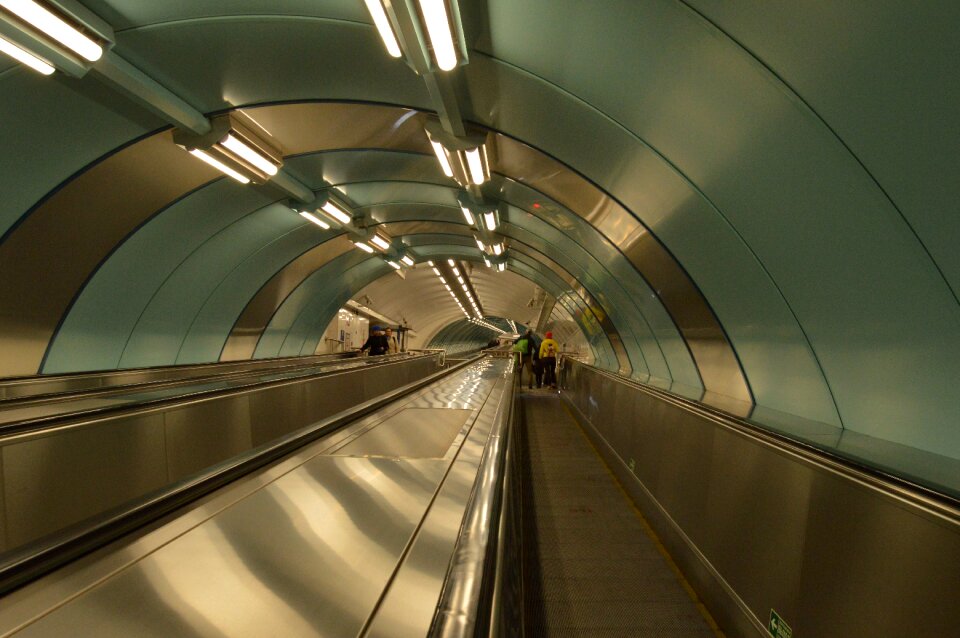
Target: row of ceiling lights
{"points": [[431, 38], [232, 145], [487, 324], [443, 280], [462, 280], [43, 38]]}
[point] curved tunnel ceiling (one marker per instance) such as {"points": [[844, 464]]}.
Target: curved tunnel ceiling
{"points": [[716, 207]]}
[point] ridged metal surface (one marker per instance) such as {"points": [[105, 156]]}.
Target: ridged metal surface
{"points": [[590, 567]]}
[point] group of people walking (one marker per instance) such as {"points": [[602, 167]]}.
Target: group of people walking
{"points": [[381, 341], [537, 358]]}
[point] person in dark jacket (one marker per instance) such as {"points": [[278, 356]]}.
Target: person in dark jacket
{"points": [[376, 342]]}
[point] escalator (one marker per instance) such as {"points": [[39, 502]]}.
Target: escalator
{"points": [[592, 566]]}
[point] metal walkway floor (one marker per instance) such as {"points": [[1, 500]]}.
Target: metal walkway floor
{"points": [[591, 567]]}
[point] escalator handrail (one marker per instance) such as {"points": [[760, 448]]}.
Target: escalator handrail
{"points": [[79, 416], [464, 608]]}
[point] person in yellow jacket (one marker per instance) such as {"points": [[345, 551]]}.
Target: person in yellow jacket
{"points": [[548, 359]]}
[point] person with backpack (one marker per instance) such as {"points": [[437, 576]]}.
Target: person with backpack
{"points": [[524, 349], [548, 360]]}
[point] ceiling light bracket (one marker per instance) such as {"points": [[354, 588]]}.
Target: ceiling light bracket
{"points": [[464, 158], [251, 153]]}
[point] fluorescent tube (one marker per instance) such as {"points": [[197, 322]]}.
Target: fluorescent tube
{"points": [[451, 262], [407, 260], [476, 166], [220, 166], [394, 264], [467, 215], [240, 148], [490, 219], [501, 267], [25, 57], [497, 249], [442, 156], [383, 26], [335, 211], [51, 24], [362, 246], [438, 28], [380, 242], [316, 220]]}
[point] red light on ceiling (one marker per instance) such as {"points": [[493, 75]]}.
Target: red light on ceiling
{"points": [[536, 204]]}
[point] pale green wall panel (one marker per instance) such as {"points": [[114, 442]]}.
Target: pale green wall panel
{"points": [[211, 327], [99, 324], [161, 329], [313, 287]]}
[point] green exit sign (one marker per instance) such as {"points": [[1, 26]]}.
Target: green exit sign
{"points": [[778, 628]]}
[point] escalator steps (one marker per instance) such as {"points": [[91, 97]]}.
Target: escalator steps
{"points": [[590, 569]]}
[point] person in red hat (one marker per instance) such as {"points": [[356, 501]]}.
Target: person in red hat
{"points": [[548, 359]]}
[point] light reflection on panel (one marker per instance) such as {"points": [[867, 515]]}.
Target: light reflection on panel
{"points": [[337, 526]]}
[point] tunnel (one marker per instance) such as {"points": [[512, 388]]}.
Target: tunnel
{"points": [[745, 212]]}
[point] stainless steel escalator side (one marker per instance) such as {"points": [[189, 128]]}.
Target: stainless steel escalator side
{"points": [[762, 525], [13, 388], [32, 412], [337, 538], [58, 476]]}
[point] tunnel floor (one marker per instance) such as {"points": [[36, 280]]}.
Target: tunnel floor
{"points": [[591, 565]]}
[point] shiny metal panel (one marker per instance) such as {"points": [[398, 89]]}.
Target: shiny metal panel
{"points": [[309, 553], [311, 545], [207, 432], [757, 524], [410, 433], [57, 479], [409, 606]]}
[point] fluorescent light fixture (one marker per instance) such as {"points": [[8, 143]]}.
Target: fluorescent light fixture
{"points": [[467, 215], [337, 213], [436, 270], [476, 166], [438, 29], [383, 26], [394, 264], [447, 286], [487, 262], [380, 242], [407, 260], [490, 219], [501, 267], [25, 57], [362, 246], [480, 244], [240, 148], [430, 263], [460, 279], [55, 27], [220, 166], [442, 156], [316, 220], [451, 262], [497, 249]]}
